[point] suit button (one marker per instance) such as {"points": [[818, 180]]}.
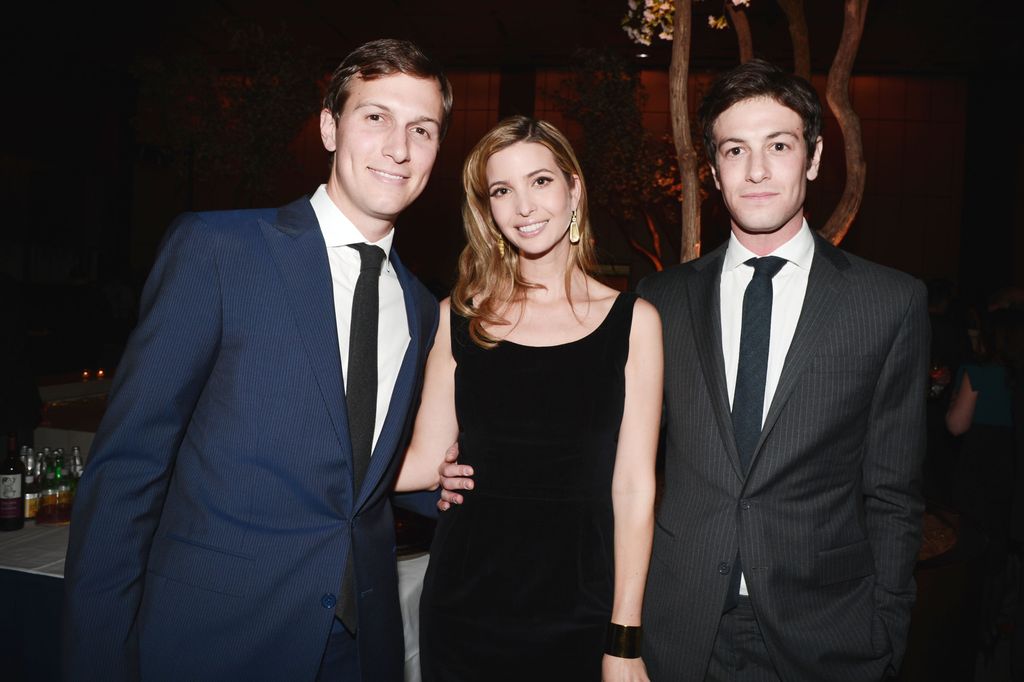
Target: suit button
{"points": [[744, 505], [724, 568], [328, 601]]}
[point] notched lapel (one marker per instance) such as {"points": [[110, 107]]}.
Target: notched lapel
{"points": [[405, 386], [298, 248], [826, 287], [705, 309]]}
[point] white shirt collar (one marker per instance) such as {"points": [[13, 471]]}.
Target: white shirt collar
{"points": [[337, 229], [799, 250]]}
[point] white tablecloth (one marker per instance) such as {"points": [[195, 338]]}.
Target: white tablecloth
{"points": [[410, 584], [41, 550], [35, 549]]}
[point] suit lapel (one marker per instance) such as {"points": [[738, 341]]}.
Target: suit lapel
{"points": [[705, 309], [405, 385], [825, 287], [298, 247]]}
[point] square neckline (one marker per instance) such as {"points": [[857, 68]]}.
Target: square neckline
{"points": [[604, 322]]}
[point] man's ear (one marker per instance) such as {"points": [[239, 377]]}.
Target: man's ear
{"points": [[328, 130], [812, 169], [714, 174]]}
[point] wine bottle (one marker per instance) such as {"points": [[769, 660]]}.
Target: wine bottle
{"points": [[31, 487], [12, 488], [47, 513], [77, 467], [64, 494]]}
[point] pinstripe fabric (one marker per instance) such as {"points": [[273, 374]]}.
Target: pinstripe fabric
{"points": [[218, 510], [828, 517]]}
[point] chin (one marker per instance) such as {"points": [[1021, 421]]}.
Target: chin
{"points": [[761, 229], [391, 209]]}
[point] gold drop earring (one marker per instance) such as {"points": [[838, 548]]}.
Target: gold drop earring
{"points": [[501, 246], [574, 229]]}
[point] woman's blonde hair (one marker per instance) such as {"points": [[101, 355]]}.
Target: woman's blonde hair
{"points": [[489, 277]]}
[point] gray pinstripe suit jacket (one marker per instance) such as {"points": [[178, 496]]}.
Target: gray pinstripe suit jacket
{"points": [[827, 517]]}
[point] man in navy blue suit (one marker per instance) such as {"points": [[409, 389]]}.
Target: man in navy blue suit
{"points": [[224, 518]]}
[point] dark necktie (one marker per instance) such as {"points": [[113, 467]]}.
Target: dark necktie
{"points": [[752, 369], [361, 395], [751, 372], [361, 387]]}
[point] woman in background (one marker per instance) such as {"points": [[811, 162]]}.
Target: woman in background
{"points": [[981, 412], [551, 382]]}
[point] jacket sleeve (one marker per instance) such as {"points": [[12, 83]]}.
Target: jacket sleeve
{"points": [[121, 495], [422, 502], [894, 450]]}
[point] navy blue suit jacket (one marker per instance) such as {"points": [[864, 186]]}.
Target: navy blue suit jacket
{"points": [[217, 511]]}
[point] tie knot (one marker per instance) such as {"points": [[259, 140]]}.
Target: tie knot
{"points": [[370, 257], [767, 266]]}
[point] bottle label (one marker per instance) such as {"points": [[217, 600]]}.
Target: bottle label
{"points": [[31, 505], [10, 509], [10, 487], [10, 497]]}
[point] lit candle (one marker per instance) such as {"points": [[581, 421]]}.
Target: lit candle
{"points": [[85, 375], [99, 373]]}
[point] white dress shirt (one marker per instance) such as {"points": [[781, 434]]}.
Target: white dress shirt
{"points": [[393, 329], [788, 288]]}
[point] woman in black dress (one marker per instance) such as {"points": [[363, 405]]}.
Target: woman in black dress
{"points": [[552, 383]]}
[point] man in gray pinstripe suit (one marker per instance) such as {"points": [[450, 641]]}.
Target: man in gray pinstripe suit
{"points": [[790, 558]]}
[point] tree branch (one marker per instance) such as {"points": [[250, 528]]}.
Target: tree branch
{"points": [[738, 19], [838, 95], [798, 35], [687, 155]]}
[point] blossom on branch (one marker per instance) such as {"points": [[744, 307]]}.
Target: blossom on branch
{"points": [[646, 19]]}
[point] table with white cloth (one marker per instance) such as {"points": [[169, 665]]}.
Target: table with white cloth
{"points": [[31, 591], [31, 594], [32, 559], [411, 569]]}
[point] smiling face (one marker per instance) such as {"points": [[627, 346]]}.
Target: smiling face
{"points": [[530, 198], [762, 171], [384, 141]]}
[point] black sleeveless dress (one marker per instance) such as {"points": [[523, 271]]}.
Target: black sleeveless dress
{"points": [[520, 581]]}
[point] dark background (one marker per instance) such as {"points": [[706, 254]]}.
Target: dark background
{"points": [[90, 182]]}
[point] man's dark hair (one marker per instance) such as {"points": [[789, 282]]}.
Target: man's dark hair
{"points": [[756, 79], [385, 57]]}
